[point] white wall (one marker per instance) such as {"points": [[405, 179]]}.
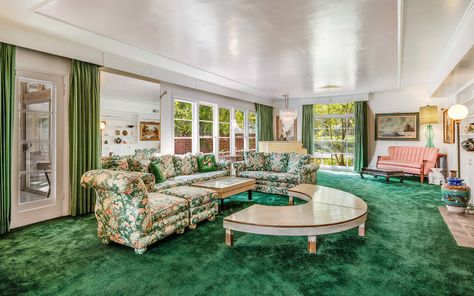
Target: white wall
{"points": [[406, 100]]}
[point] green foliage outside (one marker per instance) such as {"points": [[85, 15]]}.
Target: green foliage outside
{"points": [[334, 133]]}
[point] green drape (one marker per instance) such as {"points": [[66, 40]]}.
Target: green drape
{"points": [[84, 133], [264, 122], [7, 96], [307, 132], [361, 145]]}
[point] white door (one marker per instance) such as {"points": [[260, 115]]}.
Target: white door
{"points": [[34, 190]]}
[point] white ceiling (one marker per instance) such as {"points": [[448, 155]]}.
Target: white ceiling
{"points": [[119, 87], [265, 47]]}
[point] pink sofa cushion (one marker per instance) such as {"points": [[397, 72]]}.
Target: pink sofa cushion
{"points": [[409, 159]]}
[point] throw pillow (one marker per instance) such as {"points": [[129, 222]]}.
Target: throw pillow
{"points": [[276, 162], [296, 161], [166, 164], [184, 165], [138, 165], [255, 161], [157, 172], [207, 163]]}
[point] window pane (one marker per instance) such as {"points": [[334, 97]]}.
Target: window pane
{"points": [[205, 112], [239, 122], [224, 129], [36, 126], [206, 145], [252, 144], [36, 96], [224, 115], [182, 128], [205, 129], [183, 110], [35, 156], [224, 146], [252, 123], [34, 186], [183, 145]]}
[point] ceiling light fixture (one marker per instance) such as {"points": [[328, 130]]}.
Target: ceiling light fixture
{"points": [[287, 116]]}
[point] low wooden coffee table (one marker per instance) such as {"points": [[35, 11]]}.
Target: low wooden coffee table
{"points": [[387, 173], [228, 186], [327, 211]]}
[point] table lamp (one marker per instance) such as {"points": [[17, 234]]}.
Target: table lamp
{"points": [[457, 113], [429, 115]]}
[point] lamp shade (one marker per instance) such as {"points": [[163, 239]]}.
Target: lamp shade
{"points": [[458, 112], [429, 114], [103, 124]]}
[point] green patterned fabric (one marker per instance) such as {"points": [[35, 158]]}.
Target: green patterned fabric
{"points": [[185, 164], [308, 128], [155, 169], [297, 160], [137, 164], [255, 161], [276, 162], [84, 132], [146, 152], [128, 215], [264, 122], [7, 101], [361, 146], [116, 163], [207, 163], [166, 164]]}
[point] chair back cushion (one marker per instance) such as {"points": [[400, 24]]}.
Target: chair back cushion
{"points": [[276, 162], [116, 163], [255, 161], [297, 160], [207, 163], [185, 164], [138, 164], [413, 154], [166, 164]]}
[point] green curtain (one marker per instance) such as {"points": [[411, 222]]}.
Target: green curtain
{"points": [[84, 133], [361, 145], [264, 122], [7, 96], [307, 128]]}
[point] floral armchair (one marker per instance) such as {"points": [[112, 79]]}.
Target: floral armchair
{"points": [[128, 214]]}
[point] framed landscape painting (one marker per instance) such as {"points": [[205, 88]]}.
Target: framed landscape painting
{"points": [[448, 128], [397, 126], [149, 131]]}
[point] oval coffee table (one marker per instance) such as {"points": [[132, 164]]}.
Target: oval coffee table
{"points": [[327, 211]]}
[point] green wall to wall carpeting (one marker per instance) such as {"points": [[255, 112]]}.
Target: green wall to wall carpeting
{"points": [[407, 250]]}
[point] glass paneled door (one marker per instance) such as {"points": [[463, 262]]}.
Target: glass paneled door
{"points": [[34, 159]]}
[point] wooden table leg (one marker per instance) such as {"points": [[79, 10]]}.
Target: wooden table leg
{"points": [[229, 238], [290, 200], [250, 194], [362, 229], [387, 179], [312, 244], [222, 204]]}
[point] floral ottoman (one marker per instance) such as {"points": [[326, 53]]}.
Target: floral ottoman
{"points": [[202, 202]]}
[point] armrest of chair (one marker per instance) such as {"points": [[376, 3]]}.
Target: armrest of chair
{"points": [[383, 157], [224, 165], [240, 166], [307, 173], [148, 179]]}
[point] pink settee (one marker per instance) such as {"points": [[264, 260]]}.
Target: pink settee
{"points": [[411, 160]]}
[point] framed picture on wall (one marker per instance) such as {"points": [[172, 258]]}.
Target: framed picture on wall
{"points": [[397, 126], [282, 135], [448, 128], [149, 131]]}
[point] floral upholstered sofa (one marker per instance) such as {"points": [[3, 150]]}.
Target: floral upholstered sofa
{"points": [[128, 214], [277, 172], [179, 170]]}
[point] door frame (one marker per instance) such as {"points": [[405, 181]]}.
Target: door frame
{"points": [[22, 215]]}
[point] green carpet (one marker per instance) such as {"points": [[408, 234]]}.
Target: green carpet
{"points": [[407, 250]]}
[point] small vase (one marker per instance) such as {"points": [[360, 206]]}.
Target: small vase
{"points": [[455, 195]]}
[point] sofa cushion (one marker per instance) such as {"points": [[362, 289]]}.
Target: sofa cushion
{"points": [[296, 160], [194, 195], [201, 177], [115, 163], [170, 183], [255, 161], [269, 176], [138, 165], [400, 163], [146, 153], [207, 163], [185, 164], [276, 162], [162, 205], [156, 170], [166, 164]]}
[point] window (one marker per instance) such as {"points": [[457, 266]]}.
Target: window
{"points": [[206, 128], [334, 134], [252, 122], [183, 127], [239, 132], [224, 131]]}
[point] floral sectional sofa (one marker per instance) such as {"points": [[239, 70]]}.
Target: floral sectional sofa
{"points": [[277, 172]]}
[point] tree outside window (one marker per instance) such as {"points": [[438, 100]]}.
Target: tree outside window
{"points": [[334, 134], [206, 126], [224, 131], [183, 127], [239, 129]]}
